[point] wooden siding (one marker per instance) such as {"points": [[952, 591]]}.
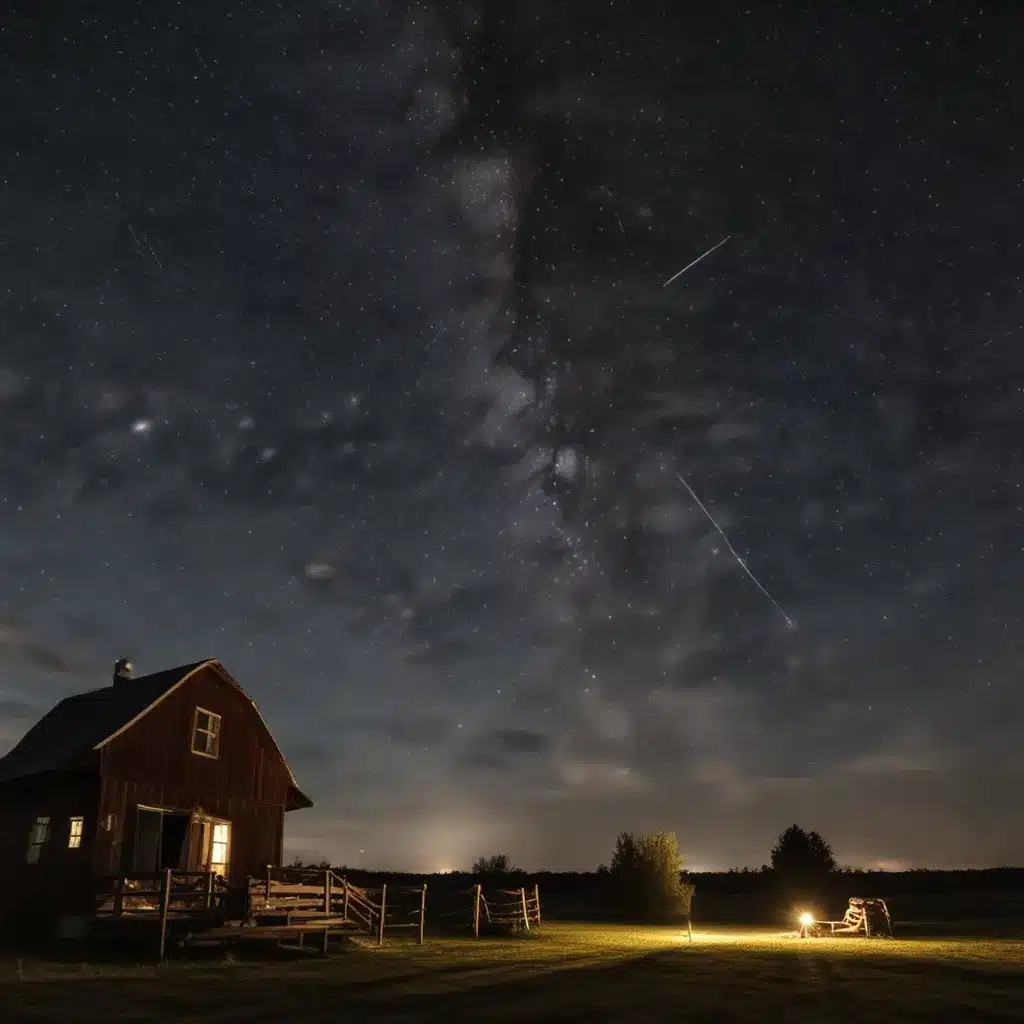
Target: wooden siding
{"points": [[152, 764], [256, 829], [60, 879]]}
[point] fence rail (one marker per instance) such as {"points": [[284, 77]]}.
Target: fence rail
{"points": [[145, 893], [303, 893], [507, 907]]}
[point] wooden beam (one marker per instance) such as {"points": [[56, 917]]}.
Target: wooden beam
{"points": [[165, 904]]}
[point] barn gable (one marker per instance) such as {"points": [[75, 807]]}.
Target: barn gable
{"points": [[79, 727]]}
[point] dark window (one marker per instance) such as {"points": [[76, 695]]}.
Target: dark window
{"points": [[206, 734], [38, 838]]}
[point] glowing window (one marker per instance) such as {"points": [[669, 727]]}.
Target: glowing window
{"points": [[206, 734], [75, 827], [219, 848], [38, 837]]}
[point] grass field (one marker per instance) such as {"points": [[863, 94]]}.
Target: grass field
{"points": [[567, 973]]}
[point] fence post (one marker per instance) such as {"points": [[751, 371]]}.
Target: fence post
{"points": [[423, 910], [118, 896], [268, 886], [383, 911], [344, 912], [526, 912], [536, 897], [208, 882], [327, 893], [476, 911], [165, 904]]}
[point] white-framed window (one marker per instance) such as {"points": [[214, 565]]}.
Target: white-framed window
{"points": [[206, 733], [38, 837], [76, 826], [219, 848]]}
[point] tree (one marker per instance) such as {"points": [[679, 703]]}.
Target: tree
{"points": [[645, 874], [802, 858], [496, 864]]}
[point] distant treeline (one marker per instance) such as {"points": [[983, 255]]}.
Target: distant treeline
{"points": [[742, 882], [967, 880]]}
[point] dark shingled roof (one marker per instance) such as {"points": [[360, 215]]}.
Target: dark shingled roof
{"points": [[67, 733], [66, 736]]}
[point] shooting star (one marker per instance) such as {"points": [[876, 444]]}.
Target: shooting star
{"points": [[757, 582], [693, 263], [135, 239]]}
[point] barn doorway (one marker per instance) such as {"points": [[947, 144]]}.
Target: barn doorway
{"points": [[173, 840], [214, 845], [161, 839]]}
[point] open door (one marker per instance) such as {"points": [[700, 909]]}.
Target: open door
{"points": [[160, 840], [213, 839], [173, 839], [146, 855]]}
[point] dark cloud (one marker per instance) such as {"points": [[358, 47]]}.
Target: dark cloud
{"points": [[21, 650], [417, 729], [502, 750], [518, 741]]}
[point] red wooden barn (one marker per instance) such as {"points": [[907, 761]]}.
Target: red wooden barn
{"points": [[176, 769]]}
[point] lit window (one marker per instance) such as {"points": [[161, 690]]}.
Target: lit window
{"points": [[206, 734], [75, 826], [37, 838], [219, 848]]}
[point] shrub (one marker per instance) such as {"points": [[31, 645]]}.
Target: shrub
{"points": [[645, 875], [495, 865]]}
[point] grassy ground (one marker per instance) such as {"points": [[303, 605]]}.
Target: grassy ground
{"points": [[569, 973]]}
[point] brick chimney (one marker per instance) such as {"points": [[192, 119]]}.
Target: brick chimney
{"points": [[122, 671]]}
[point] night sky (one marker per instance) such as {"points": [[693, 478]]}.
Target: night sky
{"points": [[334, 344]]}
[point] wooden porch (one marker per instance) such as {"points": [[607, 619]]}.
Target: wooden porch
{"points": [[176, 908]]}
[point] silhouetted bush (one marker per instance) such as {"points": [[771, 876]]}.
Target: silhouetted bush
{"points": [[644, 876]]}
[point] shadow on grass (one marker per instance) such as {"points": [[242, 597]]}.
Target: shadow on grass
{"points": [[693, 983], [1010, 928]]}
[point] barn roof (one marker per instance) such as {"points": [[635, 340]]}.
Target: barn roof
{"points": [[86, 722]]}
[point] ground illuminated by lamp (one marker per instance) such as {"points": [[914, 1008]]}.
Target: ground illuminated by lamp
{"points": [[568, 972]]}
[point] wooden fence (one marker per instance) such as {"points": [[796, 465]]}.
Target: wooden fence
{"points": [[314, 895], [511, 908], [282, 902]]}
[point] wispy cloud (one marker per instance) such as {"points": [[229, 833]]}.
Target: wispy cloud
{"points": [[21, 650]]}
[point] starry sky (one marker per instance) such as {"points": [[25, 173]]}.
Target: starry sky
{"points": [[335, 343]]}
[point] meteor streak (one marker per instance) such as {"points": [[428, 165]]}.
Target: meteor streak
{"points": [[757, 582], [693, 263]]}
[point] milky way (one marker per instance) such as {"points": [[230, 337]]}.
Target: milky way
{"points": [[334, 344]]}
